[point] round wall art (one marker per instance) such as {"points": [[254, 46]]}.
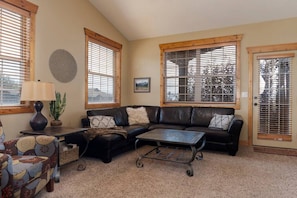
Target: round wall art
{"points": [[62, 65]]}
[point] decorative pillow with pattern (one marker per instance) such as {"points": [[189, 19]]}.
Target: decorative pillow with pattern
{"points": [[137, 115], [220, 121], [102, 121]]}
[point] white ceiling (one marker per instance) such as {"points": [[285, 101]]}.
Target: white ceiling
{"points": [[139, 19]]}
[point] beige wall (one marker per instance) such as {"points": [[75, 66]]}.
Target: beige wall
{"points": [[60, 25], [145, 56]]}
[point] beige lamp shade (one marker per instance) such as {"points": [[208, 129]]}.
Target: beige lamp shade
{"points": [[38, 91]]}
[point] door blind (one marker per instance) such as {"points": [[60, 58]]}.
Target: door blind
{"points": [[275, 96]]}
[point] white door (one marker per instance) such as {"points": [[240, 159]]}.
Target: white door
{"points": [[273, 100]]}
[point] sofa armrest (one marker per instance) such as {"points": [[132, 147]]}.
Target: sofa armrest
{"points": [[235, 125], [85, 122]]}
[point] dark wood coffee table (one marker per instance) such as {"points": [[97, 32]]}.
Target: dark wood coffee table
{"points": [[171, 138]]}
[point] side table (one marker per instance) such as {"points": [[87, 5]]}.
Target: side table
{"points": [[59, 133]]}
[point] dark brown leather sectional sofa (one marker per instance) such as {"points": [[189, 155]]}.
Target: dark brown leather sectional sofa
{"points": [[183, 118]]}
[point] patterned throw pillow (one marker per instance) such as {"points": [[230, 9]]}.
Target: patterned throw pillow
{"points": [[102, 121], [137, 115], [220, 121]]}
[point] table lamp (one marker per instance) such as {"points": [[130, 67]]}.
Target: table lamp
{"points": [[38, 91]]}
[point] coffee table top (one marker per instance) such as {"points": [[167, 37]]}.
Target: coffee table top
{"points": [[172, 136]]}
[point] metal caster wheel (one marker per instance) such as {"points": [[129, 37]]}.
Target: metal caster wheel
{"points": [[139, 164], [190, 173]]}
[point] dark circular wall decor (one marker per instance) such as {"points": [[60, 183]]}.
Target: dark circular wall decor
{"points": [[62, 65]]}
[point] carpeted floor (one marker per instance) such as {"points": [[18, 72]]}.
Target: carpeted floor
{"points": [[249, 174]]}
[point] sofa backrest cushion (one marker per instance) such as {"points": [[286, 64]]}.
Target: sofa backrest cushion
{"points": [[201, 116], [152, 112], [137, 115], [175, 115]]}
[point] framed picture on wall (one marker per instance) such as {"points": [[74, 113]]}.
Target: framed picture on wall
{"points": [[142, 85]]}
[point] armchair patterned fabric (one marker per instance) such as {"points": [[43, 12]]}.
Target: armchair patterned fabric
{"points": [[27, 164]]}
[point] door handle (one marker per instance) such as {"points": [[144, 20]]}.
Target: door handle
{"points": [[255, 104]]}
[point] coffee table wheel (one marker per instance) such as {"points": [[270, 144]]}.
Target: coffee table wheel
{"points": [[200, 157], [158, 150], [190, 173], [139, 164]]}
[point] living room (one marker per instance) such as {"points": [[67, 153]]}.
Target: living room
{"points": [[60, 25]]}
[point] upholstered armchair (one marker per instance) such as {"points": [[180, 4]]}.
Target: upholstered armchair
{"points": [[27, 164]]}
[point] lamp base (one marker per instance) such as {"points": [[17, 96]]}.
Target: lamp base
{"points": [[38, 122]]}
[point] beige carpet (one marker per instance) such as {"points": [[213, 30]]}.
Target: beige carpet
{"points": [[249, 174]]}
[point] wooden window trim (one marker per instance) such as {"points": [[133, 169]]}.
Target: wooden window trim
{"points": [[31, 9], [117, 47], [201, 43]]}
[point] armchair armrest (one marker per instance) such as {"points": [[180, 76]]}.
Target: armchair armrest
{"points": [[40, 145], [3, 158], [6, 180]]}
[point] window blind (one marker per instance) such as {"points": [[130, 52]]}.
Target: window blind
{"points": [[275, 111], [101, 73], [205, 75], [14, 53]]}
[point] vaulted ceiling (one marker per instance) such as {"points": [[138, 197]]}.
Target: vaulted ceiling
{"points": [[140, 19]]}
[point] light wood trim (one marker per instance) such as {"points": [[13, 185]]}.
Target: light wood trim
{"points": [[278, 137], [272, 48], [275, 150], [250, 98], [23, 4], [271, 56], [202, 43], [117, 47], [103, 40], [251, 52], [86, 71]]}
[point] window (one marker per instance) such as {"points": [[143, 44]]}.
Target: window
{"points": [[103, 61], [17, 24], [204, 72]]}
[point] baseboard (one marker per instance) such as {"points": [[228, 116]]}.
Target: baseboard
{"points": [[243, 143], [274, 150]]}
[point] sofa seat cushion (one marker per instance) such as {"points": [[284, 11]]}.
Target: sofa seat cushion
{"points": [[134, 130], [166, 126], [213, 135], [27, 168]]}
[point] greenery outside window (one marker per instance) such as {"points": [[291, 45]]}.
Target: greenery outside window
{"points": [[17, 25], [201, 72], [103, 69]]}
